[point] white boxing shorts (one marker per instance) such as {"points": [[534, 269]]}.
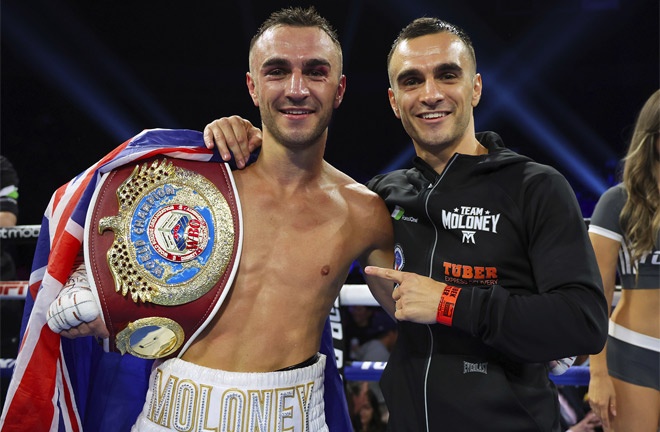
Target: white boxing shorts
{"points": [[183, 396]]}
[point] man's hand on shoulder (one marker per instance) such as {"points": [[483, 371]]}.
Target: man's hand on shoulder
{"points": [[233, 135]]}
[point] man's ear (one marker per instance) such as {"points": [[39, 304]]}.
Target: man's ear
{"points": [[393, 104], [341, 91], [252, 89], [477, 87]]}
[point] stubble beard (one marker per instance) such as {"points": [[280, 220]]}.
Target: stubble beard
{"points": [[298, 137], [447, 136]]}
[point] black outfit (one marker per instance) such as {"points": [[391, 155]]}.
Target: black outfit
{"points": [[8, 203], [509, 232], [11, 311]]}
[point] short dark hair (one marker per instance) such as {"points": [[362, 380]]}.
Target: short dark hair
{"points": [[298, 17], [427, 26]]}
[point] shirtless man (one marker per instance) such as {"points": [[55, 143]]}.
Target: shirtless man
{"points": [[304, 224], [305, 221]]}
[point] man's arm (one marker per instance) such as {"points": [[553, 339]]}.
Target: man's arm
{"points": [[7, 219], [381, 254], [9, 193], [380, 288]]}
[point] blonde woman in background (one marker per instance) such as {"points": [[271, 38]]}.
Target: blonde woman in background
{"points": [[625, 231]]}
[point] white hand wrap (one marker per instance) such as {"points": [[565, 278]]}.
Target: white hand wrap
{"points": [[75, 304], [558, 367]]}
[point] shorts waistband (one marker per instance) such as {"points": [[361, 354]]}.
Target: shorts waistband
{"points": [[618, 331], [310, 361]]}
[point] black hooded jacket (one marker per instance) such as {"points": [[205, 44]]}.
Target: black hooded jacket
{"points": [[510, 233]]}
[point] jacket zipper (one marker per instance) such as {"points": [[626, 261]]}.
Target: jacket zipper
{"points": [[430, 191]]}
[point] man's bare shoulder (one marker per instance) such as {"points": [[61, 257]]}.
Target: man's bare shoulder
{"points": [[370, 222], [353, 189], [363, 203]]}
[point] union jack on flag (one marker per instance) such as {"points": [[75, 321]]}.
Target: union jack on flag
{"points": [[54, 378]]}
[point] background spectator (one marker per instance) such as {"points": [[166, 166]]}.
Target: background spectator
{"points": [[357, 326], [369, 417], [10, 311], [378, 349]]}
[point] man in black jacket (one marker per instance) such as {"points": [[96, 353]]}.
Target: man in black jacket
{"points": [[507, 280]]}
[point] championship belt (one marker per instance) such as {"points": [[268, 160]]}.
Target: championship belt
{"points": [[162, 245]]}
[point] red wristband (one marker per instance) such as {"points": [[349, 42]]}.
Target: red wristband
{"points": [[446, 307]]}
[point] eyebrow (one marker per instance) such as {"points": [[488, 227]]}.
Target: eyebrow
{"points": [[444, 67], [448, 67], [316, 62], [275, 61], [311, 63]]}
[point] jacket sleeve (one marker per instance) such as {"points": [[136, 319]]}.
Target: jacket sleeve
{"points": [[564, 313]]}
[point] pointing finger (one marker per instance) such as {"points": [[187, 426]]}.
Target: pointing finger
{"points": [[384, 273]]}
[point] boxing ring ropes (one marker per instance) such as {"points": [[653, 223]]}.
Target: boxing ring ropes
{"points": [[350, 295]]}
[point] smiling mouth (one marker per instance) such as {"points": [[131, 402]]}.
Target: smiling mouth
{"points": [[434, 115], [296, 112]]}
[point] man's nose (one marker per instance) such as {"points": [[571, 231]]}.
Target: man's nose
{"points": [[297, 87], [433, 92]]}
